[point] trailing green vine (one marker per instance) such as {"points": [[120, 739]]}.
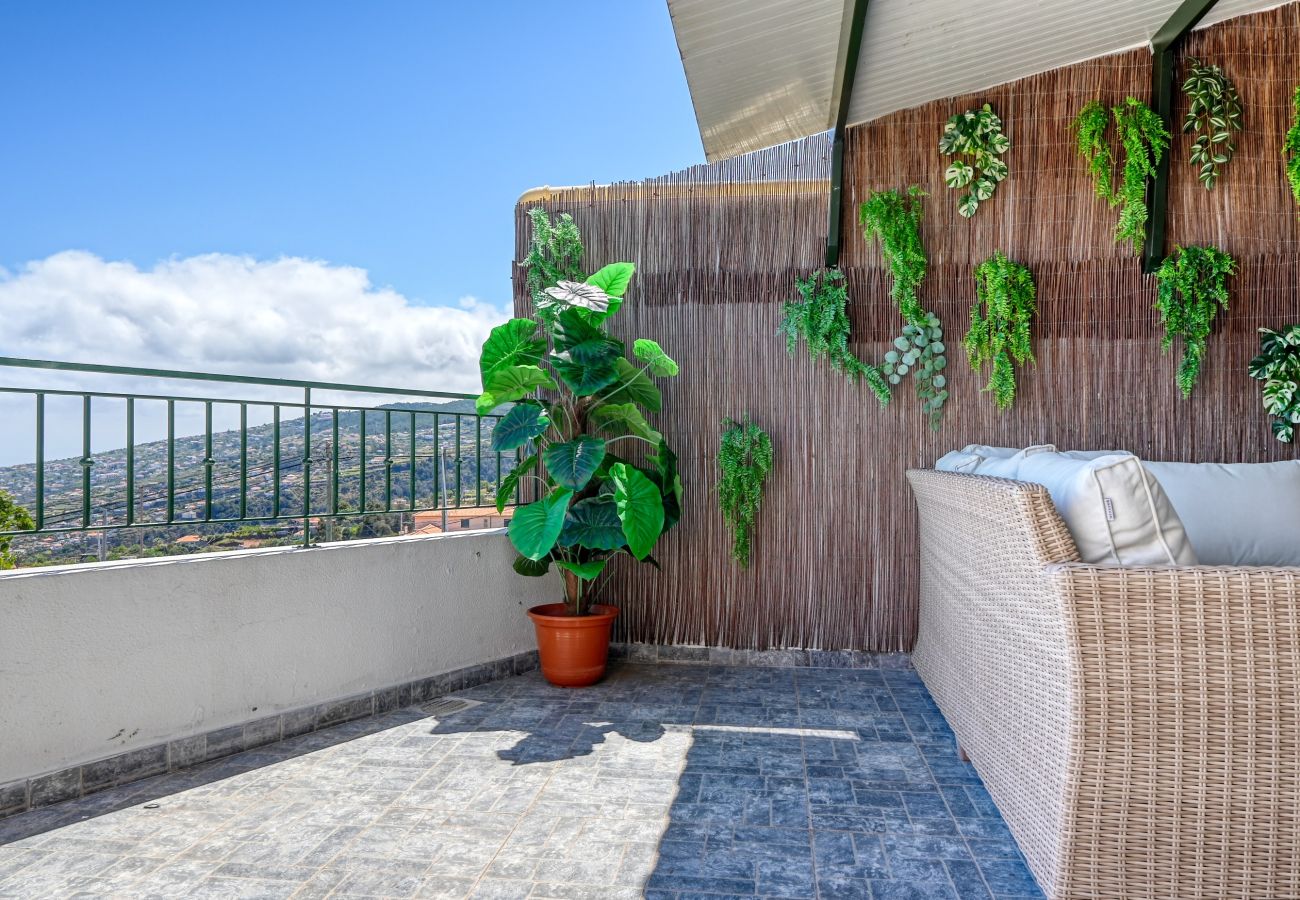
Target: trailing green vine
{"points": [[1291, 149], [1000, 322], [1214, 113], [554, 255], [1145, 139], [920, 352], [820, 317], [744, 459], [976, 133], [1192, 287], [895, 218], [1278, 366]]}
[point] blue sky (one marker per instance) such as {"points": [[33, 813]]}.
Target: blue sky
{"points": [[285, 188], [393, 135]]}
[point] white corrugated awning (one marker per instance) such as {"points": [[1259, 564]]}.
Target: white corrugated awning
{"points": [[762, 72]]}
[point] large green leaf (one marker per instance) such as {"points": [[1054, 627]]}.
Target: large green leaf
{"points": [[621, 419], [535, 528], [661, 363], [505, 385], [513, 344], [572, 327], [632, 384], [506, 489], [593, 523], [573, 463], [587, 571], [532, 568], [640, 509], [669, 482], [584, 378], [524, 422], [613, 279]]}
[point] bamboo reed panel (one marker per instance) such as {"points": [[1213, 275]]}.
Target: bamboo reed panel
{"points": [[718, 249]]}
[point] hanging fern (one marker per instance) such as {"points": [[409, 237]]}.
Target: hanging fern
{"points": [[820, 317], [895, 218], [999, 323], [1144, 137], [920, 351], [1291, 149], [1214, 112], [1090, 137], [1192, 287], [744, 458]]}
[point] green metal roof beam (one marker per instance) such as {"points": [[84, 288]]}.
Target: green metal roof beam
{"points": [[845, 75], [1163, 62]]}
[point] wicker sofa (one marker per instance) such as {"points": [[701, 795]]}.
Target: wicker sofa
{"points": [[1138, 728]]}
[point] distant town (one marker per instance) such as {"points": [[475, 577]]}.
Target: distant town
{"points": [[453, 484]]}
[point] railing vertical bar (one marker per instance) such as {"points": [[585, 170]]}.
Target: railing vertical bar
{"points": [[171, 461], [388, 460], [437, 460], [243, 460], [478, 460], [40, 461], [519, 487], [362, 489], [275, 461], [306, 467], [207, 461], [494, 431], [334, 464], [85, 461], [130, 460], [411, 504], [458, 452]]}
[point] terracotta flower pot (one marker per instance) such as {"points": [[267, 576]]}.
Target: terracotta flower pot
{"points": [[573, 649]]}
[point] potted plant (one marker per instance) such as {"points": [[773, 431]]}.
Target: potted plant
{"points": [[576, 398]]}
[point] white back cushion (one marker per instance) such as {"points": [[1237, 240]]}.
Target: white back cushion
{"points": [[977, 459], [1115, 510], [1237, 514]]}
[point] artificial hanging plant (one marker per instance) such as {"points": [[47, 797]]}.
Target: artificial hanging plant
{"points": [[1214, 112], [977, 134], [595, 504], [820, 317], [1191, 288], [1291, 149], [920, 351], [1144, 138], [744, 460], [1278, 366], [895, 218], [1000, 323]]}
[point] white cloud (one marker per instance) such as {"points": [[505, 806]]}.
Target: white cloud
{"points": [[285, 318]]}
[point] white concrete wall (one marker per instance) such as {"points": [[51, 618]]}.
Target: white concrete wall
{"points": [[102, 658]]}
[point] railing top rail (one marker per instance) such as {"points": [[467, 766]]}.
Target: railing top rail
{"points": [[20, 363]]}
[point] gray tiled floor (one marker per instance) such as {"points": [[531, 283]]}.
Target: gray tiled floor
{"points": [[663, 781]]}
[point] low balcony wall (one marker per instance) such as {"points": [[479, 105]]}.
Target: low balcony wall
{"points": [[101, 659]]}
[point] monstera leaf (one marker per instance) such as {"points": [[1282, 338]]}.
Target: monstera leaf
{"points": [[513, 344], [573, 463], [510, 481], [535, 528], [524, 422], [576, 294], [632, 384], [587, 571], [660, 363], [593, 523], [505, 385], [623, 418], [640, 508]]}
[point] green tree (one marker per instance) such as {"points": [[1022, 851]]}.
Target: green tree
{"points": [[12, 518]]}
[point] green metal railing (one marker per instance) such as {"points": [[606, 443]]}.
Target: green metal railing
{"points": [[437, 440]]}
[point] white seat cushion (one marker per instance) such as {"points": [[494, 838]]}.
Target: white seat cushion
{"points": [[1237, 514]]}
